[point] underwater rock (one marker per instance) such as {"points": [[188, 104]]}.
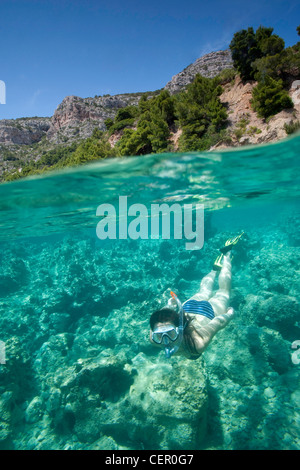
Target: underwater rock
{"points": [[17, 375], [265, 349], [5, 416], [16, 385], [293, 224], [274, 269], [170, 397], [279, 312], [107, 397], [276, 311], [85, 390], [51, 357], [291, 379], [107, 377], [34, 410], [59, 321], [269, 392], [82, 374], [53, 401], [275, 350], [295, 397], [14, 274]]}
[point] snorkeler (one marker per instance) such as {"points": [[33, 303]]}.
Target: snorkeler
{"points": [[188, 328]]}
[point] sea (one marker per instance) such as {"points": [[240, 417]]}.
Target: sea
{"points": [[89, 253]]}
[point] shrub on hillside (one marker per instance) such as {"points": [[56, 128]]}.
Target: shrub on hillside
{"points": [[269, 97]]}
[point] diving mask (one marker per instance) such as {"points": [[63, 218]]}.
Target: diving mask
{"points": [[165, 334], [179, 331]]}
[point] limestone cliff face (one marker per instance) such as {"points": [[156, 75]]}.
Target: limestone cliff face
{"points": [[77, 117], [24, 131], [208, 66], [244, 126]]}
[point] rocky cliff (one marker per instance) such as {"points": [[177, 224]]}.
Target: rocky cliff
{"points": [[25, 139], [244, 126], [76, 118], [24, 131], [208, 66]]}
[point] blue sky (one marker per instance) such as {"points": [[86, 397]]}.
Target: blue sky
{"points": [[54, 48]]}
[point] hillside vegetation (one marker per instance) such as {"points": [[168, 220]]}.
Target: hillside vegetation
{"points": [[197, 111]]}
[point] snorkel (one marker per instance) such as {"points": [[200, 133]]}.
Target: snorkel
{"points": [[168, 350]]}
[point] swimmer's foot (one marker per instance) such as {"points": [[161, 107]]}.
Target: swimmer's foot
{"points": [[230, 243], [218, 263]]}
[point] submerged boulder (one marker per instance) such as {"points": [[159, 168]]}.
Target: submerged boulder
{"points": [[144, 404], [171, 399]]}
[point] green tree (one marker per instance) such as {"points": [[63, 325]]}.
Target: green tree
{"points": [[125, 117], [159, 134], [164, 106], [126, 113], [97, 134], [248, 47], [200, 113], [152, 128], [144, 104], [245, 50], [272, 45], [269, 97], [128, 143], [272, 66], [262, 33], [108, 123], [90, 149]]}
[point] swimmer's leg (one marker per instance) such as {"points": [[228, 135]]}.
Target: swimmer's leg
{"points": [[220, 300], [206, 287]]}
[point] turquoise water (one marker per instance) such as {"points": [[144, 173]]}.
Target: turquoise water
{"points": [[78, 370]]}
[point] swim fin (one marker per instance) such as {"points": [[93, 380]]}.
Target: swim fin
{"points": [[218, 263], [230, 243]]}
